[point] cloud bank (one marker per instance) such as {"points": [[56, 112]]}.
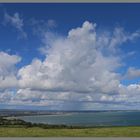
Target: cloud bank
{"points": [[79, 69]]}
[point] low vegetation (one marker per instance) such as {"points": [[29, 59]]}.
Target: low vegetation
{"points": [[64, 132]]}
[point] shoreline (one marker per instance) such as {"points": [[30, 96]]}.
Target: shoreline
{"points": [[47, 125], [19, 128]]}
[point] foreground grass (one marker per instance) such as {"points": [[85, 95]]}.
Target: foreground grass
{"points": [[87, 132]]}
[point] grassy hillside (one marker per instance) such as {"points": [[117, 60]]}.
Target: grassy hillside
{"points": [[88, 132]]}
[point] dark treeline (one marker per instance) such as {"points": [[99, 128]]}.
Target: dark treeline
{"points": [[5, 122], [13, 122]]}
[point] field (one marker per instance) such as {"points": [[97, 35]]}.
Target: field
{"points": [[64, 132]]}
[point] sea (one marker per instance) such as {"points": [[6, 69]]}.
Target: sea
{"points": [[101, 118]]}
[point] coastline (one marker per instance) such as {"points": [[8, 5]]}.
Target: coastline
{"points": [[19, 128]]}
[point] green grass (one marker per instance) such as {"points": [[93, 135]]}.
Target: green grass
{"points": [[87, 132]]}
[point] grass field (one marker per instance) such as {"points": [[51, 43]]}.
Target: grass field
{"points": [[87, 132]]}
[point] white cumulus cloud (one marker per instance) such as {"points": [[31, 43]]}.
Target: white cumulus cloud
{"points": [[132, 73], [8, 70], [80, 68]]}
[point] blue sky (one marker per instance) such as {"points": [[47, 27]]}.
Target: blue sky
{"points": [[66, 16], [49, 52]]}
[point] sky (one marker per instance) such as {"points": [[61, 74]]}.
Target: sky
{"points": [[58, 56]]}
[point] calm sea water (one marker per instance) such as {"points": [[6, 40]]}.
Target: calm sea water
{"points": [[120, 118]]}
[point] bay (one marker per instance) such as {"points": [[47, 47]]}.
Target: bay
{"points": [[109, 118]]}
